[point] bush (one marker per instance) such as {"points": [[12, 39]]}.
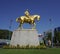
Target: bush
{"points": [[24, 47]]}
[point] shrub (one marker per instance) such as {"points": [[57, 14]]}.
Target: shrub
{"points": [[24, 47], [42, 47], [38, 47], [27, 46], [18, 46]]}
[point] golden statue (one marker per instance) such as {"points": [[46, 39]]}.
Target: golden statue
{"points": [[28, 19]]}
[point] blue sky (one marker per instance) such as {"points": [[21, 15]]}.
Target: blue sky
{"points": [[11, 9]]}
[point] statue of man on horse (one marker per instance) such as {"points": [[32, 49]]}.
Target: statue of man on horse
{"points": [[28, 19]]}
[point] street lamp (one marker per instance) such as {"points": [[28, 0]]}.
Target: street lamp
{"points": [[10, 28], [50, 20]]}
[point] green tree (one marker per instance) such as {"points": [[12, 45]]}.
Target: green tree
{"points": [[49, 35], [4, 34]]}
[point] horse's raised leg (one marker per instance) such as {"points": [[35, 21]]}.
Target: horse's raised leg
{"points": [[34, 26], [20, 26]]}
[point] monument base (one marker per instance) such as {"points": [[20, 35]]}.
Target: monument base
{"points": [[24, 37]]}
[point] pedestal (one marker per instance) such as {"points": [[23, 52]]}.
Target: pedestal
{"points": [[25, 37]]}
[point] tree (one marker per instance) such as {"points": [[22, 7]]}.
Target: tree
{"points": [[4, 34], [49, 35]]}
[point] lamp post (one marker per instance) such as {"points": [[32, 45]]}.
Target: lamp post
{"points": [[10, 28], [50, 20]]}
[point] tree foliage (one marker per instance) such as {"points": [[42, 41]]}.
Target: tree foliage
{"points": [[49, 35], [4, 34]]}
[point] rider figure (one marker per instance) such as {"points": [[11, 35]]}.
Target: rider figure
{"points": [[27, 13]]}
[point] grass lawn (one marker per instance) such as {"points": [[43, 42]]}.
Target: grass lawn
{"points": [[30, 51]]}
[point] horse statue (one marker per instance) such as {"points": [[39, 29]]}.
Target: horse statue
{"points": [[28, 19]]}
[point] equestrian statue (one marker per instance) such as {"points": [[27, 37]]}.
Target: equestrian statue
{"points": [[28, 19]]}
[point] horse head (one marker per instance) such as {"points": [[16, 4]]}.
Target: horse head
{"points": [[37, 17]]}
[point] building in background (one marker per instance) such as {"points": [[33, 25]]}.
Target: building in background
{"points": [[57, 29], [57, 36]]}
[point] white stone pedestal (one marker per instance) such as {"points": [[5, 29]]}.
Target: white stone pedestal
{"points": [[24, 37]]}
